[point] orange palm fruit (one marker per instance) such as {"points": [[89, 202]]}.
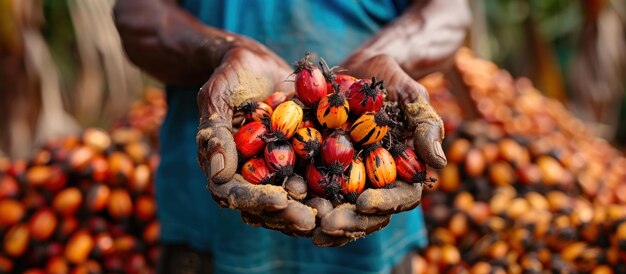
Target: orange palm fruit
{"points": [[11, 212], [306, 142], [286, 120], [42, 224], [79, 246], [145, 207], [355, 183], [120, 204], [380, 167], [370, 128], [16, 240], [256, 111], [97, 197], [67, 201], [333, 110], [121, 168]]}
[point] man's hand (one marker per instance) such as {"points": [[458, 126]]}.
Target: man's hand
{"points": [[424, 39], [248, 72]]}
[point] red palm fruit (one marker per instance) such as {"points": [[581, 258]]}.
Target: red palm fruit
{"points": [[145, 207], [337, 152], [317, 180], [333, 110], [33, 200], [121, 168], [365, 95], [6, 265], [306, 142], [355, 183], [310, 84], [99, 167], [136, 263], [79, 246], [97, 224], [344, 81], [370, 128], [67, 201], [97, 197], [380, 167], [69, 224], [256, 111], [286, 120], [57, 264], [280, 159], [42, 224], [408, 166], [16, 240], [256, 171], [276, 99], [8, 187], [120, 205], [248, 139], [151, 232], [58, 179], [11, 212]]}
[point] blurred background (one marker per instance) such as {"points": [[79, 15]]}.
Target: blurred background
{"points": [[528, 185], [62, 66]]}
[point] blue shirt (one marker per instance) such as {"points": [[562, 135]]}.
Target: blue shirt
{"points": [[188, 214]]}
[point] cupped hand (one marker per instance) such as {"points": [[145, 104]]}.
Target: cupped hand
{"points": [[248, 72]]}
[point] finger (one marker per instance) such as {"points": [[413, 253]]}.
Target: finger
{"points": [[428, 134], [322, 206], [403, 197], [217, 154], [296, 187], [321, 239], [241, 195], [345, 221], [296, 218]]}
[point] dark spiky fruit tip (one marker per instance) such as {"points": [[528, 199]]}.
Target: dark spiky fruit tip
{"points": [[382, 119], [420, 178], [430, 181], [304, 63], [333, 188], [313, 148], [369, 149], [351, 197], [268, 180], [335, 168], [336, 99], [249, 106], [397, 148], [298, 102], [281, 173]]}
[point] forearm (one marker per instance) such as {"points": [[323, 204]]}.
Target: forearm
{"points": [[425, 35], [168, 42]]}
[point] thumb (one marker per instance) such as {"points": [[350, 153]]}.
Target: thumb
{"points": [[217, 154], [429, 133]]}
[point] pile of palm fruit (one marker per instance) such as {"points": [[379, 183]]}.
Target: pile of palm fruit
{"points": [[85, 204], [528, 189]]}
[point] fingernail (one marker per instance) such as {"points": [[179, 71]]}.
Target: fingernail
{"points": [[439, 150], [217, 164]]}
